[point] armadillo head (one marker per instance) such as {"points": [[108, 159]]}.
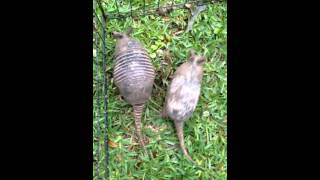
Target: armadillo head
{"points": [[196, 63], [119, 35], [195, 59], [122, 40]]}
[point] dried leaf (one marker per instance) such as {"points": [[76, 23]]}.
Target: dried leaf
{"points": [[153, 129], [166, 19], [178, 32], [205, 114], [112, 144], [188, 5]]}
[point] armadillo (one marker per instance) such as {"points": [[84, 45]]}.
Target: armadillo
{"points": [[183, 94], [134, 75]]}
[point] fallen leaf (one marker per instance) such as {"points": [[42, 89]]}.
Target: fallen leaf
{"points": [[159, 52], [188, 5], [112, 144], [166, 19], [205, 114], [153, 129], [178, 32]]}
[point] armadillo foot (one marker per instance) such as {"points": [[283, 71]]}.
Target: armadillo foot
{"points": [[164, 114]]}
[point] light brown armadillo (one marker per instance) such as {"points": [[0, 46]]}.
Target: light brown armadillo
{"points": [[133, 74], [183, 94]]}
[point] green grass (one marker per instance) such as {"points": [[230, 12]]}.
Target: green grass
{"points": [[205, 131]]}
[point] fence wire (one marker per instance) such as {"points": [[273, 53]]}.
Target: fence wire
{"points": [[131, 8], [100, 103]]}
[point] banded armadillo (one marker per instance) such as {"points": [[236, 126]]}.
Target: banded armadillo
{"points": [[183, 94], [133, 74]]}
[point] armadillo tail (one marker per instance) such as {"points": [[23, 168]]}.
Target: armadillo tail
{"points": [[179, 129], [137, 110]]}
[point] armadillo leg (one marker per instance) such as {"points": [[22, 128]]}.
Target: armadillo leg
{"points": [[179, 129], [137, 110], [164, 113]]}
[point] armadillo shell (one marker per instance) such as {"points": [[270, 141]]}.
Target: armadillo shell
{"points": [[133, 73]]}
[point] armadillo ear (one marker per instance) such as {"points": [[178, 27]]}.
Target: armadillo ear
{"points": [[129, 31], [117, 35], [192, 53], [201, 60]]}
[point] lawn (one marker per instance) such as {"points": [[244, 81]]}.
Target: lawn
{"points": [[205, 132]]}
